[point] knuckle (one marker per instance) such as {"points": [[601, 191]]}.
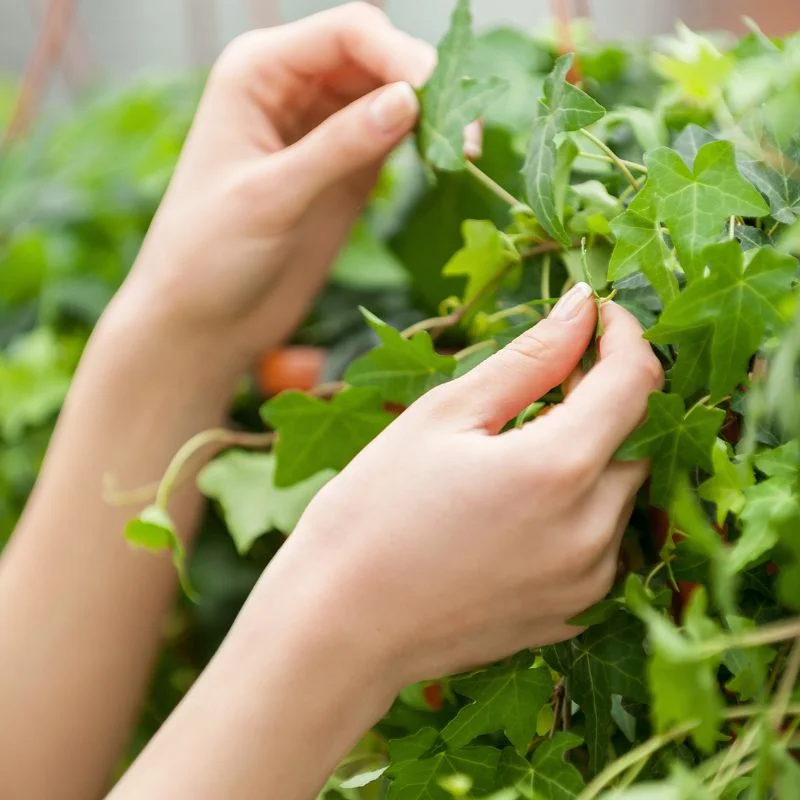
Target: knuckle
{"points": [[361, 12], [233, 64], [441, 401], [652, 371], [575, 467], [528, 350]]}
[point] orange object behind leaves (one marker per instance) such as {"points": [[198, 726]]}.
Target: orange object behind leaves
{"points": [[293, 367]]}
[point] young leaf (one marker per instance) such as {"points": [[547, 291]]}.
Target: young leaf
{"points": [[771, 511], [640, 247], [676, 441], [244, 485], [682, 679], [483, 255], [154, 530], [450, 100], [315, 434], [563, 107], [608, 659], [738, 303], [694, 203], [507, 697], [726, 488]]}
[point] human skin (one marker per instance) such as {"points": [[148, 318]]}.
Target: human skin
{"points": [[482, 543]]}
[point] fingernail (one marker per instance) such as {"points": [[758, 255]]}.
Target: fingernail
{"points": [[396, 105], [570, 304]]}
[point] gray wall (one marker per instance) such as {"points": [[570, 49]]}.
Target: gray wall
{"points": [[118, 38]]}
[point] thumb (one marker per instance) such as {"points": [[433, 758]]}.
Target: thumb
{"points": [[360, 135], [535, 362]]}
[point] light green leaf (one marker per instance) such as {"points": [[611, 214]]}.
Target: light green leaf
{"points": [[771, 510], [244, 485], [676, 441], [402, 369], [484, 254], [778, 179], [726, 488], [154, 530], [314, 434], [563, 108], [450, 100], [780, 462], [695, 203], [507, 697], [738, 303]]}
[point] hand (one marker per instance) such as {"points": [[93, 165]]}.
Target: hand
{"points": [[447, 544], [286, 145]]}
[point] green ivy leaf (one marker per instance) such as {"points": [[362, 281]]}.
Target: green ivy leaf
{"points": [[553, 778], [450, 100], [738, 303], [563, 108], [727, 486], [244, 486], [694, 203], [676, 441], [314, 434], [484, 254], [748, 666], [777, 180], [771, 510], [154, 530], [422, 779], [682, 679], [780, 462], [607, 659], [507, 697], [640, 247], [403, 369]]}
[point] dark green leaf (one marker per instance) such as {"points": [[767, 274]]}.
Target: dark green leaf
{"points": [[507, 697], [315, 434], [675, 440]]}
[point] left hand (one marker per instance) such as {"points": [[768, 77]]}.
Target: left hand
{"points": [[287, 143]]}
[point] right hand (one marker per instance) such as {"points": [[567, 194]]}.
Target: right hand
{"points": [[447, 544]]}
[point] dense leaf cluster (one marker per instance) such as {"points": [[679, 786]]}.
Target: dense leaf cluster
{"points": [[668, 177], [670, 181]]}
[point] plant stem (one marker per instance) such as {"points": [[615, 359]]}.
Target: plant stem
{"points": [[455, 316], [221, 436], [769, 634], [786, 686], [522, 308], [474, 348], [621, 165], [46, 53], [634, 166], [545, 288], [492, 185], [633, 757]]}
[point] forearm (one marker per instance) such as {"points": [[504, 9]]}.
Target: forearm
{"points": [[80, 610], [295, 685]]}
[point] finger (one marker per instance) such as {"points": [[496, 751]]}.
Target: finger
{"points": [[360, 135], [473, 140], [353, 35], [611, 400], [573, 381], [540, 359]]}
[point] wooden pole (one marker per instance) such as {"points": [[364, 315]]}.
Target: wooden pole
{"points": [[46, 53]]}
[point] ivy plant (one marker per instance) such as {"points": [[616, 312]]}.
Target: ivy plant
{"points": [[665, 176]]}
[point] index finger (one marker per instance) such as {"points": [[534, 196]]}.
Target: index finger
{"points": [[356, 34], [611, 400]]}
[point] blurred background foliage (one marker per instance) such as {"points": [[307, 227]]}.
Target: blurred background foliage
{"points": [[77, 193]]}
